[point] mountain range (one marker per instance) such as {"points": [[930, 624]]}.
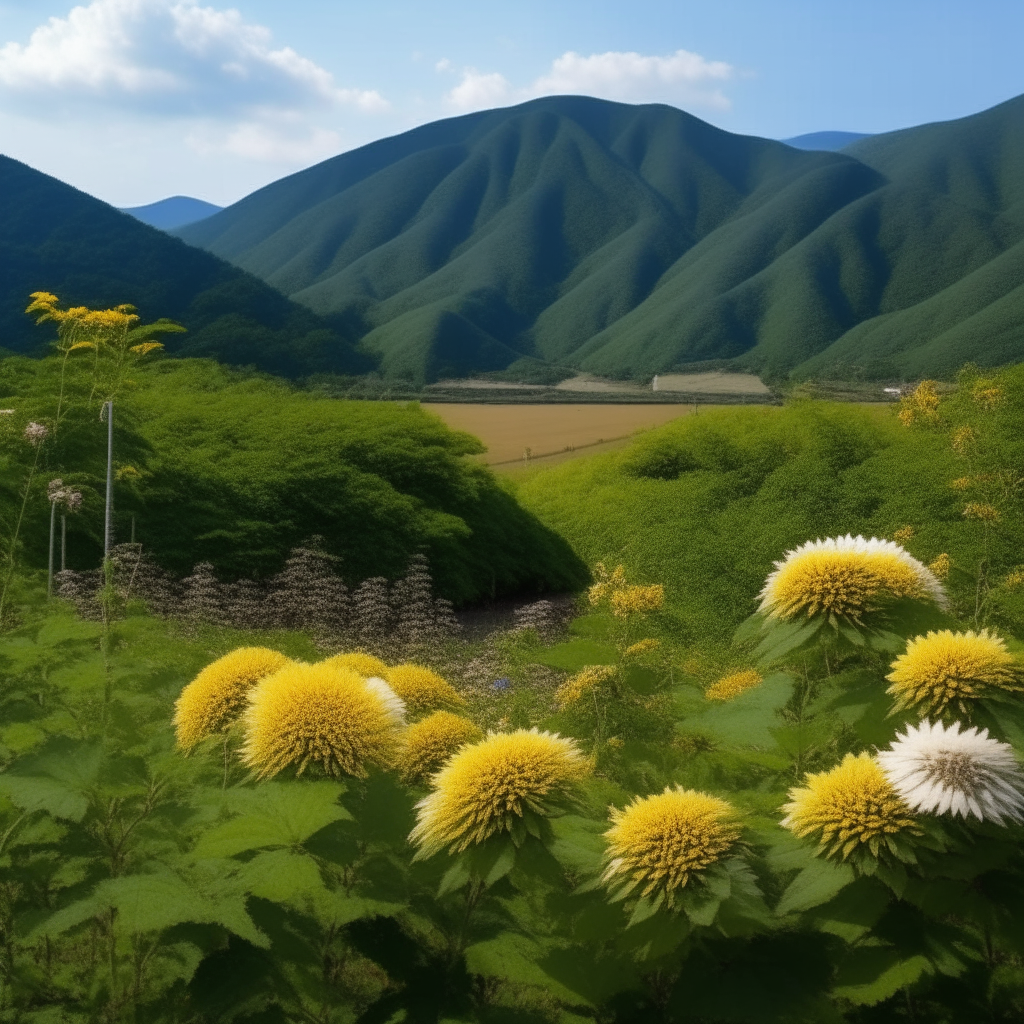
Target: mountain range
{"points": [[55, 238], [828, 141], [625, 241], [174, 212]]}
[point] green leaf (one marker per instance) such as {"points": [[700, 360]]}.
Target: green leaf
{"points": [[275, 814], [515, 958], [871, 974], [817, 883], [282, 876], [748, 719], [784, 638], [579, 844], [153, 903]]}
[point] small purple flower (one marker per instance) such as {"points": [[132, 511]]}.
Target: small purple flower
{"points": [[35, 433], [502, 684]]}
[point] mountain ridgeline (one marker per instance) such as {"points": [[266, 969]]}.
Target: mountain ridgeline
{"points": [[55, 238], [630, 240]]}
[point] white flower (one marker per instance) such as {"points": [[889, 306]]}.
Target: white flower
{"points": [[35, 433], [394, 704], [6, 412], [946, 771]]}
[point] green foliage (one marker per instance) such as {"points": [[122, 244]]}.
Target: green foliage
{"points": [[629, 240], [236, 469]]}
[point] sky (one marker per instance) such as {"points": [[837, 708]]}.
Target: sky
{"points": [[136, 100]]}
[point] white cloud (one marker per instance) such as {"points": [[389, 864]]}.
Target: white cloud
{"points": [[682, 78], [478, 91], [177, 59]]}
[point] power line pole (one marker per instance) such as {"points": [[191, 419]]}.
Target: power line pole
{"points": [[108, 521]]}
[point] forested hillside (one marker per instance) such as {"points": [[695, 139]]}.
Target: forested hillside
{"points": [[55, 238], [628, 240]]}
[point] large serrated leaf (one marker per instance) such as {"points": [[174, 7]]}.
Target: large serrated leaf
{"points": [[819, 882], [871, 974], [282, 876], [153, 903], [515, 958], [274, 815]]}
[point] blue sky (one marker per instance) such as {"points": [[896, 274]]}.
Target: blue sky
{"points": [[134, 100]]}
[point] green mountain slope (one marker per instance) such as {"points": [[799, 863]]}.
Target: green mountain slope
{"points": [[629, 240], [55, 238]]}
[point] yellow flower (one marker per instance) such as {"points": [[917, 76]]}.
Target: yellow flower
{"points": [[980, 510], [487, 787], [964, 439], [733, 685], [145, 348], [659, 842], [640, 648], [961, 483], [428, 744], [941, 566], [844, 577], [321, 714], [606, 582], [987, 394], [633, 599], [903, 534], [851, 806], [944, 668], [362, 664], [578, 686], [615, 742], [1015, 578], [422, 689], [921, 404], [216, 697]]}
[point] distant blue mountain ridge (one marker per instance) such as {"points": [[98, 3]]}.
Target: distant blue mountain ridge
{"points": [[175, 212], [830, 142]]}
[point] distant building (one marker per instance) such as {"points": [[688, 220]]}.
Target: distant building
{"points": [[654, 383]]}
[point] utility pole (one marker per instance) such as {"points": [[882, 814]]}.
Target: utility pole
{"points": [[108, 521]]}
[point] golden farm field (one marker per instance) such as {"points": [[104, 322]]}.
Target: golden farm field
{"points": [[551, 432]]}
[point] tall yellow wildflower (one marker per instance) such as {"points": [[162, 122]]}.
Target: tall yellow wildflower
{"points": [[733, 685], [607, 583], [852, 806], [659, 842], [844, 578], [428, 744], [422, 689], [216, 697], [360, 663], [943, 669], [486, 788], [320, 714], [633, 599], [583, 682]]}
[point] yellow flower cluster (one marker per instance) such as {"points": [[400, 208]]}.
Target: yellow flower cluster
{"points": [[733, 685], [216, 697], [987, 394], [921, 405], [961, 483], [362, 664], [903, 534], [488, 786], [429, 743], [1014, 579], [422, 689], [945, 668], [640, 648], [634, 599], [320, 714], [845, 577], [659, 842], [578, 686], [964, 439], [941, 566], [853, 805], [607, 583], [982, 511]]}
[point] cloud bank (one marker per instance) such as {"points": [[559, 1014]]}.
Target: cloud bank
{"points": [[177, 59], [682, 78]]}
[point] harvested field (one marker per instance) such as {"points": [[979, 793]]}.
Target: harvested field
{"points": [[551, 431], [712, 383]]}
